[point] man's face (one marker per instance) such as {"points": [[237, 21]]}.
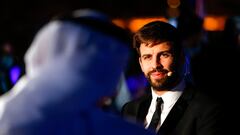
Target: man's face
{"points": [[157, 63]]}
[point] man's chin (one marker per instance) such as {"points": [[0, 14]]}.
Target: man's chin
{"points": [[160, 84], [156, 84]]}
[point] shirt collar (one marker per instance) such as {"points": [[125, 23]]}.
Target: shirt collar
{"points": [[171, 97]]}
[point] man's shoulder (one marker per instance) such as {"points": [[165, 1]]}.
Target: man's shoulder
{"points": [[139, 100], [199, 99], [198, 96], [132, 107]]}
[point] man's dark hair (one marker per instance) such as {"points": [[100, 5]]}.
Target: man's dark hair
{"points": [[157, 32]]}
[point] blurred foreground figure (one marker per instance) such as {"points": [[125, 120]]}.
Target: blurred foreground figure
{"points": [[72, 62]]}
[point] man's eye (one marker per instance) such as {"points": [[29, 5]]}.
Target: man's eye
{"points": [[166, 55], [146, 57]]}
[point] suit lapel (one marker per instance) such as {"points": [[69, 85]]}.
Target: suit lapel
{"points": [[143, 108], [176, 113]]}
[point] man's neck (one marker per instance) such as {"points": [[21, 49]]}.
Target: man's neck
{"points": [[160, 92]]}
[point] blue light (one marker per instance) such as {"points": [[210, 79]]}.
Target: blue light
{"points": [[15, 74], [136, 83], [173, 21]]}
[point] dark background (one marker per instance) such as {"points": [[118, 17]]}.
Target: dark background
{"points": [[19, 20]]}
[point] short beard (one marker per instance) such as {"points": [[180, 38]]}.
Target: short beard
{"points": [[165, 83]]}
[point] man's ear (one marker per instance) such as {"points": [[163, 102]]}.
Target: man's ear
{"points": [[178, 63], [179, 58], [140, 62], [182, 64]]}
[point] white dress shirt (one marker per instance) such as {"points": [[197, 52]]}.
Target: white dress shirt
{"points": [[169, 99]]}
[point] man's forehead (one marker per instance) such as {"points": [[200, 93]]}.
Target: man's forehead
{"points": [[151, 44]]}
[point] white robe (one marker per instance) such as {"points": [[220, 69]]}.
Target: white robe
{"points": [[68, 68]]}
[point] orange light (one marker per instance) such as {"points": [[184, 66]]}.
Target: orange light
{"points": [[119, 22], [137, 23], [214, 23], [173, 3]]}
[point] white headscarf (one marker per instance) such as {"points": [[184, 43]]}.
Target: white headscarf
{"points": [[68, 67]]}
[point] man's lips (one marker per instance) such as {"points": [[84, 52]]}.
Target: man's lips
{"points": [[157, 75]]}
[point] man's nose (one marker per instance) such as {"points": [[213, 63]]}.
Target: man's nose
{"points": [[156, 63]]}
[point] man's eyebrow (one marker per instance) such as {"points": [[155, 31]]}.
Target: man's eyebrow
{"points": [[166, 51], [145, 55]]}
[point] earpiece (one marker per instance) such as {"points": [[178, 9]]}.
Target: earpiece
{"points": [[169, 73]]}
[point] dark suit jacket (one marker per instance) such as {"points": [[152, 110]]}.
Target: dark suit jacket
{"points": [[193, 114]]}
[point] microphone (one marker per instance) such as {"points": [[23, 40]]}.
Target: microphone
{"points": [[169, 73]]}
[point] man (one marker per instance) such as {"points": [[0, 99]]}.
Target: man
{"points": [[183, 110], [66, 75]]}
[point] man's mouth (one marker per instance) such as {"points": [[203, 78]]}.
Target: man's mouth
{"points": [[157, 75]]}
